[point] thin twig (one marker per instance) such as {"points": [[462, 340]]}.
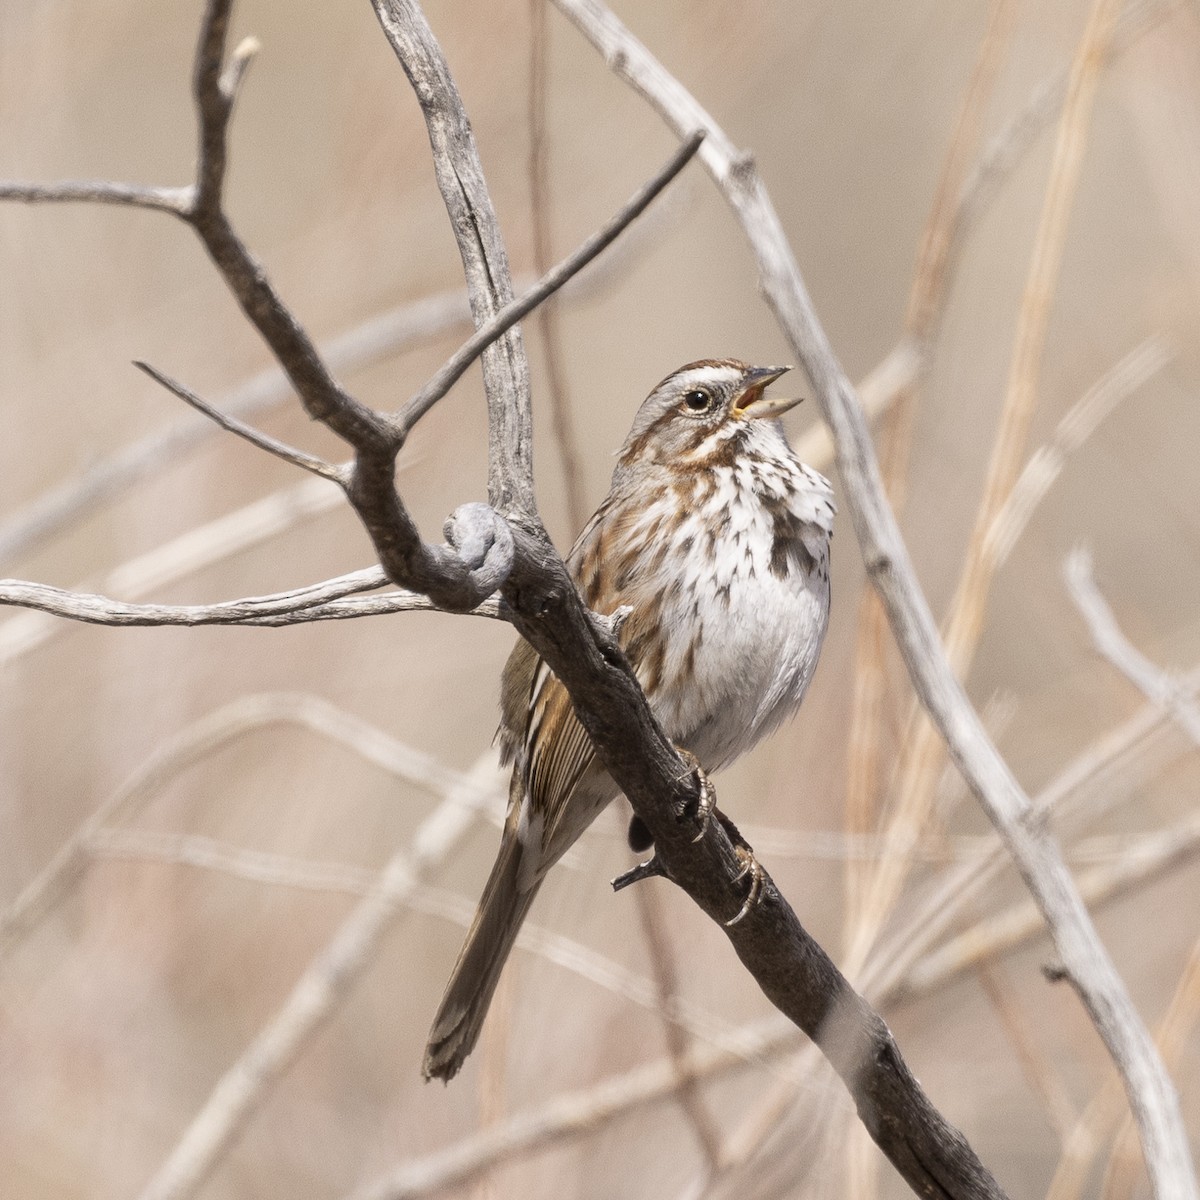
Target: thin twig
{"points": [[1155, 684], [1151, 1094], [492, 329], [174, 200], [289, 454], [322, 396]]}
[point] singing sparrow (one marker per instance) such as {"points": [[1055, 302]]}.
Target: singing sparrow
{"points": [[717, 538]]}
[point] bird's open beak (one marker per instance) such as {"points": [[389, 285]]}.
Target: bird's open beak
{"points": [[750, 404]]}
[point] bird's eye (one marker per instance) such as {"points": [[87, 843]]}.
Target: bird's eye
{"points": [[698, 401]]}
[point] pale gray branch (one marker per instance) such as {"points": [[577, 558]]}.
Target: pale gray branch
{"points": [[1156, 685], [174, 200], [317, 602], [480, 245]]}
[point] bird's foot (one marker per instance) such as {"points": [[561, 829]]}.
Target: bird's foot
{"points": [[751, 867], [702, 809]]}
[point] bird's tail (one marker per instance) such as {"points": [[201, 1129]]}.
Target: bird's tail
{"points": [[465, 1003]]}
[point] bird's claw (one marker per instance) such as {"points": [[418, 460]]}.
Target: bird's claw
{"points": [[750, 866], [706, 803]]}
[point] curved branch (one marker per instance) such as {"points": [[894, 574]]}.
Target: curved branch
{"points": [[318, 602]]}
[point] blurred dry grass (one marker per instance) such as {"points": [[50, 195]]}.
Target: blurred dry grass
{"points": [[123, 1006]]}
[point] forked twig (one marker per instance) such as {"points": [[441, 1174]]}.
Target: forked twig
{"points": [[1155, 684]]}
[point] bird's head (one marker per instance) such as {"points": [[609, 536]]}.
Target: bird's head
{"points": [[703, 413]]}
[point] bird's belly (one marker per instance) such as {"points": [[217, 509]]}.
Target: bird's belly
{"points": [[750, 645]]}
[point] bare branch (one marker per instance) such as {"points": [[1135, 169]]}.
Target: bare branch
{"points": [[317, 602], [510, 314], [1150, 1091], [457, 577], [323, 398], [1157, 686], [174, 200], [480, 245], [1117, 384], [374, 340], [289, 454]]}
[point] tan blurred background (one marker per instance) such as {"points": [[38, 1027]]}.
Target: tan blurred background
{"points": [[122, 1005]]}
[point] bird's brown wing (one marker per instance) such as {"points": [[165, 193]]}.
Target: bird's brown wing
{"points": [[539, 729]]}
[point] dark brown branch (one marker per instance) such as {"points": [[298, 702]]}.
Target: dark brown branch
{"points": [[323, 398], [440, 572], [787, 963], [510, 314]]}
